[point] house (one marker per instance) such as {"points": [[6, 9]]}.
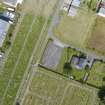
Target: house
{"points": [[80, 62], [12, 3]]}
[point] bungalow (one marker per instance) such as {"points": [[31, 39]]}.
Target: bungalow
{"points": [[81, 62], [12, 3]]}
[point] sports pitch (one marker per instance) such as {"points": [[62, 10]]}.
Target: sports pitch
{"points": [[48, 88]]}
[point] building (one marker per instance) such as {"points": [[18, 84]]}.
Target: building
{"points": [[4, 27], [12, 3], [66, 5], [82, 62], [74, 7], [101, 9], [6, 19]]}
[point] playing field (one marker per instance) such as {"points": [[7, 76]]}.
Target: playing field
{"points": [[48, 88], [97, 39], [51, 56], [74, 30]]}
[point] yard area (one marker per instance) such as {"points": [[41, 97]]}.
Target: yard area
{"points": [[97, 74], [97, 39], [74, 30], [51, 89], [65, 68]]}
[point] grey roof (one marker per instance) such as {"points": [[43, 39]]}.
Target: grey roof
{"points": [[102, 10], [12, 2], [76, 3], [4, 27]]}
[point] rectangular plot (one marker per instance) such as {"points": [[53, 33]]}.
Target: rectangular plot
{"points": [[76, 96], [44, 85], [51, 56], [97, 39]]}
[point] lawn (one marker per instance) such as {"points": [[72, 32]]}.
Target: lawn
{"points": [[66, 57], [15, 70], [50, 88], [74, 30], [97, 39], [97, 74]]}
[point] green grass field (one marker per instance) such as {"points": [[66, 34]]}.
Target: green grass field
{"points": [[96, 41], [97, 74], [48, 88], [18, 59], [74, 30]]}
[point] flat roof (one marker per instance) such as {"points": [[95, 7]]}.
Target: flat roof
{"points": [[12, 3], [4, 27]]}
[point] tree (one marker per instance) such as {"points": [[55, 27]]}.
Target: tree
{"points": [[67, 68], [101, 95]]}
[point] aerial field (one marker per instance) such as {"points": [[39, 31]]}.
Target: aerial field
{"points": [[43, 7], [97, 74], [18, 60], [97, 38], [74, 30], [19, 57], [48, 88]]}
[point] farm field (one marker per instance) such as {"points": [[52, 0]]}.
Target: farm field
{"points": [[18, 60], [97, 74], [74, 30], [97, 38], [26, 41], [48, 88], [41, 7]]}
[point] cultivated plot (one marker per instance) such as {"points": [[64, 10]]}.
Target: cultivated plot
{"points": [[43, 7], [74, 30], [97, 38], [51, 56], [48, 88], [97, 74]]}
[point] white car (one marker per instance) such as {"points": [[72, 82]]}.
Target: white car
{"points": [[11, 9]]}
